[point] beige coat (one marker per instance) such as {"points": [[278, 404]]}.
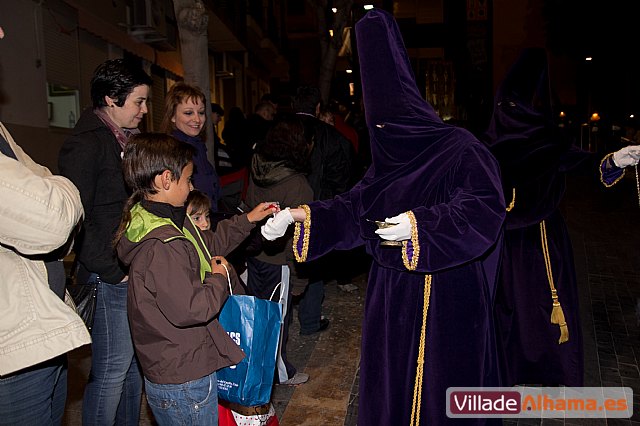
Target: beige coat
{"points": [[38, 211]]}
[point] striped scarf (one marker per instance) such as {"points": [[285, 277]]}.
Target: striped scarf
{"points": [[122, 135]]}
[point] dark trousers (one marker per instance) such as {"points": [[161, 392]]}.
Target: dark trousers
{"points": [[310, 307]]}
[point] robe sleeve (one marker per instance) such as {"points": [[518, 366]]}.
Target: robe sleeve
{"points": [[331, 224], [610, 174], [463, 229]]}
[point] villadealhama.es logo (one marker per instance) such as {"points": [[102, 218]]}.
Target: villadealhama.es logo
{"points": [[540, 402]]}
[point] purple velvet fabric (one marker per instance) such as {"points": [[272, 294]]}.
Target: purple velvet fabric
{"points": [[534, 155], [451, 183], [609, 172]]}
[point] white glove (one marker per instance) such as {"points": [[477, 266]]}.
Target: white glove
{"points": [[627, 156], [277, 225], [399, 232]]}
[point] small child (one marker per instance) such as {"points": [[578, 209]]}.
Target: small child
{"points": [[199, 209], [176, 289]]}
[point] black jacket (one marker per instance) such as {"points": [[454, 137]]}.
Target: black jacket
{"points": [[331, 158], [92, 159]]}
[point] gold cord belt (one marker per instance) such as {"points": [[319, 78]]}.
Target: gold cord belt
{"points": [[417, 387], [557, 315]]}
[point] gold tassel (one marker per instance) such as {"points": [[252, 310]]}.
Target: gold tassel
{"points": [[512, 204], [557, 314], [557, 317]]}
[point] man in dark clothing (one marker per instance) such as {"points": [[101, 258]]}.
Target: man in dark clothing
{"points": [[330, 175], [331, 152], [222, 161], [259, 123]]}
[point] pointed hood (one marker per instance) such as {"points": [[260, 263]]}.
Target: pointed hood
{"points": [[410, 145], [523, 104], [523, 134], [389, 87], [401, 123]]}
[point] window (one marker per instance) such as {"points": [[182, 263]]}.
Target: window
{"points": [[63, 104]]}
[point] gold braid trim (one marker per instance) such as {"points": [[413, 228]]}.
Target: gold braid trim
{"points": [[609, 185], [302, 257], [512, 204], [417, 387], [557, 314], [413, 264]]}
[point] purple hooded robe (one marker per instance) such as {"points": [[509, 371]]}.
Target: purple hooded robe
{"points": [[534, 155], [449, 183]]}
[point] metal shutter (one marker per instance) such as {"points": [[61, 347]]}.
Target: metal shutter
{"points": [[93, 52], [61, 48]]}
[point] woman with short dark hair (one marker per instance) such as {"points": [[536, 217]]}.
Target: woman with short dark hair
{"points": [[92, 159]]}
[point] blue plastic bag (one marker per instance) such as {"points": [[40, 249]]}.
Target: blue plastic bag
{"points": [[254, 324]]}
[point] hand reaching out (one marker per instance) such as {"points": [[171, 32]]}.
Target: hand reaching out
{"points": [[263, 210], [627, 156]]}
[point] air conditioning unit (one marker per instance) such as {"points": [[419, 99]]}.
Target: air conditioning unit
{"points": [[148, 21]]}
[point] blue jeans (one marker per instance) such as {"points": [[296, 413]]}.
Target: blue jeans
{"points": [[114, 391], [192, 403], [35, 395]]}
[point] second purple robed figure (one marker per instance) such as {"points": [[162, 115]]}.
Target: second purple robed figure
{"points": [[535, 154], [449, 185]]}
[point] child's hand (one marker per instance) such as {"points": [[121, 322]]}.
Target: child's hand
{"points": [[263, 210], [216, 265]]}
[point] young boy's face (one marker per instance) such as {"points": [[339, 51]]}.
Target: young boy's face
{"points": [[179, 190], [201, 220]]}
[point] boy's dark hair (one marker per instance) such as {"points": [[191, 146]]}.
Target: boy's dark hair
{"points": [[180, 92], [217, 109], [286, 142], [262, 106], [146, 156], [306, 100], [198, 202], [269, 97], [116, 78]]}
